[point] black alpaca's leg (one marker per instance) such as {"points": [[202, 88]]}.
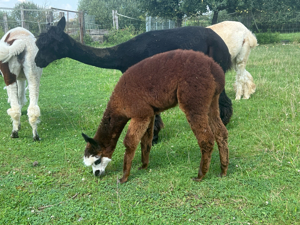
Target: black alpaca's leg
{"points": [[225, 106], [158, 125]]}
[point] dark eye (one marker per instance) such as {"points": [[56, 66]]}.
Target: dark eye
{"points": [[98, 161]]}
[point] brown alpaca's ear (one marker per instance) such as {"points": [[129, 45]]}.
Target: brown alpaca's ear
{"points": [[62, 23], [89, 140]]}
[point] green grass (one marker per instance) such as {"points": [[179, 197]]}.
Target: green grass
{"points": [[292, 37], [262, 186]]}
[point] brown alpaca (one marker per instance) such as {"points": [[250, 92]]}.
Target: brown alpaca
{"points": [[184, 77]]}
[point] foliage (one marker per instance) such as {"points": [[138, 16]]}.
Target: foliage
{"points": [[1, 33], [31, 16], [118, 36], [267, 38], [87, 39], [173, 9], [262, 186], [11, 22], [103, 12]]}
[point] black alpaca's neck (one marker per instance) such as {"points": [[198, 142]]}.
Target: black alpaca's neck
{"points": [[99, 57]]}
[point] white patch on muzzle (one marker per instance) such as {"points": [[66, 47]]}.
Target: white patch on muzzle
{"points": [[90, 161]]}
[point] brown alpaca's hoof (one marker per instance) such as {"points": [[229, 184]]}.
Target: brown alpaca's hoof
{"points": [[14, 134], [197, 179], [122, 180], [222, 174], [143, 167]]}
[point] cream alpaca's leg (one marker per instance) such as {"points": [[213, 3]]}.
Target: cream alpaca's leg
{"points": [[33, 112], [249, 86], [15, 110], [242, 83]]}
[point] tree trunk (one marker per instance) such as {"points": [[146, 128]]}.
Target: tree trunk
{"points": [[178, 21], [215, 18]]}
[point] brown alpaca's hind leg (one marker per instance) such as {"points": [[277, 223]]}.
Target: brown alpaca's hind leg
{"points": [[146, 144], [221, 135], [136, 131], [205, 137]]}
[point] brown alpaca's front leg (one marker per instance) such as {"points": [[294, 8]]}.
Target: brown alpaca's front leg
{"points": [[136, 131], [146, 144]]}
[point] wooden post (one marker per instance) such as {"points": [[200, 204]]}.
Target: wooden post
{"points": [[22, 17], [49, 19], [81, 23], [113, 17], [5, 23], [67, 22], [61, 14], [39, 24], [115, 20]]}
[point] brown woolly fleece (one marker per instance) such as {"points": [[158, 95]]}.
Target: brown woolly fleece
{"points": [[185, 77]]}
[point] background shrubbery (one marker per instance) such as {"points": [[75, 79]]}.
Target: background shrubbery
{"points": [[267, 38], [118, 36]]}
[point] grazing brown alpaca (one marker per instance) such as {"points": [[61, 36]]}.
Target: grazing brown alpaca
{"points": [[184, 77]]}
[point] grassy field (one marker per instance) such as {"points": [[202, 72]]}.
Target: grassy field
{"points": [[262, 186]]}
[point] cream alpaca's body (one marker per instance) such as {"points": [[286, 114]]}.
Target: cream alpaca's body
{"points": [[17, 53], [239, 41]]}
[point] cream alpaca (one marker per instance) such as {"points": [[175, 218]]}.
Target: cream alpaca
{"points": [[239, 41], [17, 53]]}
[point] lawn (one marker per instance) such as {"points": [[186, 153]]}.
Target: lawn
{"points": [[46, 182]]}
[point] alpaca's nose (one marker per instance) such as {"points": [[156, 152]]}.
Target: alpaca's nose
{"points": [[97, 173]]}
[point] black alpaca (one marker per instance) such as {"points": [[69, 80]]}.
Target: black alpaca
{"points": [[56, 44]]}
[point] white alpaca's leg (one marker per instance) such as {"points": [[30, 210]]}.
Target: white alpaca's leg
{"points": [[249, 86], [22, 91], [244, 79], [238, 83], [15, 110], [33, 77]]}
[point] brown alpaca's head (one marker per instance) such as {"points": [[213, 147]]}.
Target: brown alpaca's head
{"points": [[52, 44], [93, 156]]}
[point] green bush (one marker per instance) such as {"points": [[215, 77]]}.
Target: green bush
{"points": [[87, 38], [267, 38], [119, 36]]}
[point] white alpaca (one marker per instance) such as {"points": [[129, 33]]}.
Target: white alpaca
{"points": [[239, 41], [17, 53]]}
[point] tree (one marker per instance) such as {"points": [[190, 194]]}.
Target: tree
{"points": [[173, 9], [32, 17], [218, 5], [102, 9]]}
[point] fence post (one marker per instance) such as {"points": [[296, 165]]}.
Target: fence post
{"points": [[5, 23], [67, 27], [39, 24], [61, 14], [115, 20], [81, 22], [49, 19], [148, 23], [22, 17]]}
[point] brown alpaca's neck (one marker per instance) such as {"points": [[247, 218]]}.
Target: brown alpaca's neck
{"points": [[109, 130], [99, 57]]}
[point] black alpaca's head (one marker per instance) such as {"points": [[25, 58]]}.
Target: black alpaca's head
{"points": [[52, 44]]}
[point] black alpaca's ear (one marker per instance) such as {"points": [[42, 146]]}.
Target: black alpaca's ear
{"points": [[89, 140], [62, 23]]}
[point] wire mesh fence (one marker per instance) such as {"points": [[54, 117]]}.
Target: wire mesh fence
{"points": [[38, 20]]}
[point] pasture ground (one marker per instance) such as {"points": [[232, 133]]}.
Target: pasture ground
{"points": [[262, 186]]}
